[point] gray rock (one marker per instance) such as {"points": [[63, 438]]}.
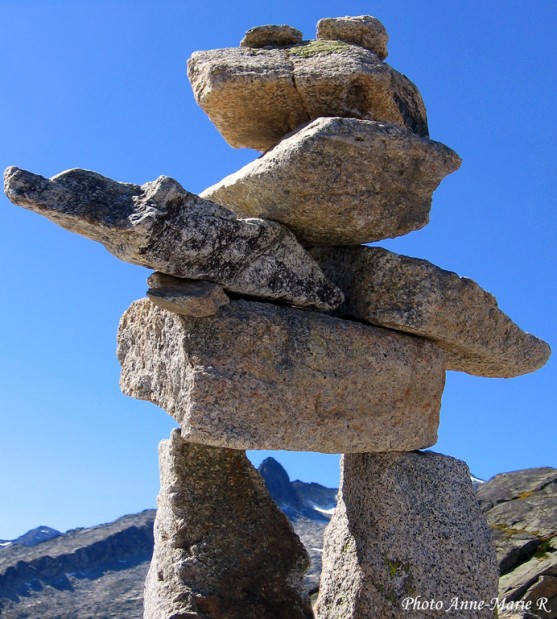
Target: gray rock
{"points": [[414, 296], [186, 296], [407, 527], [162, 226], [534, 579], [521, 509], [542, 594], [260, 376], [270, 35], [256, 96], [519, 485], [509, 612], [513, 545], [341, 181], [363, 30], [223, 549]]}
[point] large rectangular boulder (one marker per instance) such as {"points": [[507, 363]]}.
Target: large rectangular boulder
{"points": [[223, 549], [256, 96], [415, 296], [261, 376], [407, 539]]}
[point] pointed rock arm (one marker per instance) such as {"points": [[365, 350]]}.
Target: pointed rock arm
{"points": [[414, 296], [162, 226]]}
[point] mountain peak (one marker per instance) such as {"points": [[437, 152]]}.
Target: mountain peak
{"points": [[297, 498], [36, 536], [278, 483]]}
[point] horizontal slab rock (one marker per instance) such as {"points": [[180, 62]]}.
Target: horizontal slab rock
{"points": [[341, 181], [223, 549], [407, 530], [256, 96], [415, 296], [270, 35], [260, 376], [162, 226], [362, 30], [189, 297]]}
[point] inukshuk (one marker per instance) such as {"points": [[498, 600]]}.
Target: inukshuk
{"points": [[269, 326]]}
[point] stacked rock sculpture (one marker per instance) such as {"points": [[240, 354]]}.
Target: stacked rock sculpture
{"points": [[269, 326]]}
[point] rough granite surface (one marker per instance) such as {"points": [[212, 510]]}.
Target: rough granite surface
{"points": [[341, 181], [255, 97], [415, 296], [223, 549], [363, 30], [162, 226], [406, 525], [521, 509], [260, 376]]}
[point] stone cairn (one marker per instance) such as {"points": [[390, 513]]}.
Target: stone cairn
{"points": [[269, 326]]}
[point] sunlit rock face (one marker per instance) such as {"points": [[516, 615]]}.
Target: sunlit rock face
{"points": [[259, 376], [162, 226], [341, 181], [377, 564], [223, 548]]}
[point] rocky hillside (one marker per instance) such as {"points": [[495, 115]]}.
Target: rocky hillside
{"points": [[33, 537], [99, 572], [95, 572], [521, 509]]}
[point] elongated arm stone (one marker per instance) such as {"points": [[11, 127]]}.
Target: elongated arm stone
{"points": [[223, 549], [260, 376], [407, 530], [256, 96], [414, 296], [162, 226], [341, 181]]}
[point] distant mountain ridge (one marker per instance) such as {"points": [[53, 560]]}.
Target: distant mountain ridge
{"points": [[33, 537], [92, 572]]}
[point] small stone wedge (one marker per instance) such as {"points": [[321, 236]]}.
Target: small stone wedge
{"points": [[162, 226], [223, 549], [341, 181], [271, 35], [260, 376], [255, 97], [189, 297], [415, 296], [375, 565]]}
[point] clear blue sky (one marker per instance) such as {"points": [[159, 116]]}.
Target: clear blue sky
{"points": [[102, 85]]}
